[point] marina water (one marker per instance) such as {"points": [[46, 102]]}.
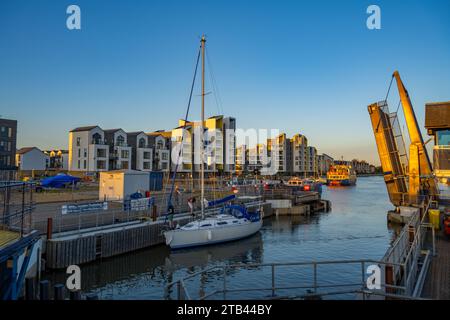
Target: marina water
{"points": [[355, 228]]}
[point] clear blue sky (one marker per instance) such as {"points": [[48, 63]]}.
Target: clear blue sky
{"points": [[309, 67]]}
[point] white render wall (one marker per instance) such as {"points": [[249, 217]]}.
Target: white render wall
{"points": [[34, 159]]}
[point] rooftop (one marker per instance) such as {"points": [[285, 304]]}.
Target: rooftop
{"points": [[86, 128]]}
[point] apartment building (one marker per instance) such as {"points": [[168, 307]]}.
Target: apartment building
{"points": [[88, 150], [241, 159], [119, 149], [229, 150], [141, 151], [8, 138], [219, 144], [324, 163], [257, 158], [59, 159], [299, 144], [160, 141], [279, 151], [311, 161], [182, 141]]}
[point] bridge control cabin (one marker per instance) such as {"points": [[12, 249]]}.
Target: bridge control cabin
{"points": [[437, 123]]}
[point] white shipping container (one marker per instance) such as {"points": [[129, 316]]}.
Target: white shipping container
{"points": [[120, 184]]}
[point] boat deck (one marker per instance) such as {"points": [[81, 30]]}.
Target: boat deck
{"points": [[437, 284]]}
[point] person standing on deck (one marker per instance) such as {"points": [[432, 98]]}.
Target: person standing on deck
{"points": [[191, 204], [177, 195], [170, 215]]}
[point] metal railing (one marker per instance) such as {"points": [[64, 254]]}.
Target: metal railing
{"points": [[313, 290], [408, 250], [114, 213]]}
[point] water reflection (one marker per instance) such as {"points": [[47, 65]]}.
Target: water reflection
{"points": [[249, 250]]}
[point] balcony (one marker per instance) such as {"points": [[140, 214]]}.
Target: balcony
{"points": [[122, 145], [99, 142]]}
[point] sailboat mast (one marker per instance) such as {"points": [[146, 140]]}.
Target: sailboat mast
{"points": [[202, 168]]}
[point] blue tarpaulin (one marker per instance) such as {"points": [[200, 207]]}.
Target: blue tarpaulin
{"points": [[59, 181], [219, 201]]}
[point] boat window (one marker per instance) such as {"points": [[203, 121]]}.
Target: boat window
{"points": [[206, 225], [222, 223], [189, 225], [235, 221]]}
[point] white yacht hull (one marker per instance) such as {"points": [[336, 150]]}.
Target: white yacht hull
{"points": [[180, 238]]}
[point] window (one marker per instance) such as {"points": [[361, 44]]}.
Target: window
{"points": [[221, 223], [147, 165], [141, 143], [85, 152], [79, 153], [101, 164], [147, 155], [205, 225], [164, 166], [120, 141], [124, 164], [124, 154], [78, 141], [164, 156], [96, 138], [443, 137], [9, 132], [101, 153], [79, 164], [84, 164]]}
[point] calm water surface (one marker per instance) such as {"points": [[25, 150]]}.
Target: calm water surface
{"points": [[356, 228]]}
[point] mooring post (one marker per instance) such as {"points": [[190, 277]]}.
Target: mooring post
{"points": [[59, 291], [44, 287], [49, 228]]}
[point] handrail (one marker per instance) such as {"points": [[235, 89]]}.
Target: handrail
{"points": [[180, 283]]}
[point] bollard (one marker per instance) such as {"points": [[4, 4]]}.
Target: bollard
{"points": [[75, 295], [49, 228], [29, 289], [44, 287], [59, 291], [91, 296]]}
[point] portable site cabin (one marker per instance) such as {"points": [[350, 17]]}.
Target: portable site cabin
{"points": [[120, 184]]}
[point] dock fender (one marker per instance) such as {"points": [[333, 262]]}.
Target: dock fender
{"points": [[209, 235]]}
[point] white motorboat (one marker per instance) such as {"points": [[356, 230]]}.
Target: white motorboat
{"points": [[235, 224]]}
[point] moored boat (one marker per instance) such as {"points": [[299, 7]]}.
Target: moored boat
{"points": [[233, 223], [341, 175]]}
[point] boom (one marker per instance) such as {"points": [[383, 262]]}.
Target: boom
{"points": [[420, 170]]}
